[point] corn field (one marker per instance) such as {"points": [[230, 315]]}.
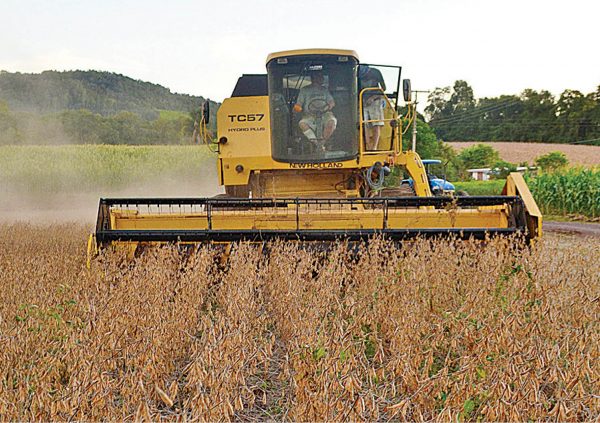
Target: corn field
{"points": [[576, 190], [433, 330], [67, 169]]}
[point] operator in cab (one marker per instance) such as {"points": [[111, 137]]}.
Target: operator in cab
{"points": [[373, 103], [316, 102]]}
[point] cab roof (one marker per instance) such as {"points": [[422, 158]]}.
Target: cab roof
{"points": [[303, 52]]}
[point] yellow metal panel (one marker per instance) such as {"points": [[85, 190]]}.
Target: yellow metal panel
{"points": [[516, 185], [267, 163], [414, 166], [245, 122], [316, 218], [426, 218], [248, 220], [297, 183], [232, 177], [323, 51], [158, 221]]}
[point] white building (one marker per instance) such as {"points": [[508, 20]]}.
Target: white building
{"points": [[485, 173], [480, 174]]}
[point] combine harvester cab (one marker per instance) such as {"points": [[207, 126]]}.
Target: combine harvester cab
{"points": [[303, 152]]}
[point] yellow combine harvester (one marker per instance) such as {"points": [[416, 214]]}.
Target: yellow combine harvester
{"points": [[303, 154]]}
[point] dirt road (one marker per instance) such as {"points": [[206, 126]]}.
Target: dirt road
{"points": [[574, 228]]}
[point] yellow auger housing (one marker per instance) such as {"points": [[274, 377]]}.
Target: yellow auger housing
{"points": [[303, 154]]}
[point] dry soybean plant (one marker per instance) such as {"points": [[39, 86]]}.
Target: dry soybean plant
{"points": [[426, 331]]}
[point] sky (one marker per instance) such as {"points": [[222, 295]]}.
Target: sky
{"points": [[201, 47]]}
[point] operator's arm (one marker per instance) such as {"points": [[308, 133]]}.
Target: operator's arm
{"points": [[300, 101], [330, 101]]}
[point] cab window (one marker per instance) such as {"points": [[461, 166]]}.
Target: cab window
{"points": [[313, 108]]}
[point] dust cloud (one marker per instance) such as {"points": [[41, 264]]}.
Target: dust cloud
{"points": [[32, 129], [24, 203]]}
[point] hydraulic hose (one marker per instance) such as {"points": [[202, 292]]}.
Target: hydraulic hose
{"points": [[378, 184]]}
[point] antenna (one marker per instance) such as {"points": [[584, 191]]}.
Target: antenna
{"points": [[414, 131]]}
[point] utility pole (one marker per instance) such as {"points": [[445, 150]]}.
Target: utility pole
{"points": [[414, 130]]}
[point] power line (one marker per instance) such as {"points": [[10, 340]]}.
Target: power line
{"points": [[513, 123], [481, 111], [521, 120], [476, 111]]}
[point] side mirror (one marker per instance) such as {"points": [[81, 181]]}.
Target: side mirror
{"points": [[406, 90], [206, 111]]}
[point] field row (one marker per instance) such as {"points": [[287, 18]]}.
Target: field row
{"points": [[487, 333]]}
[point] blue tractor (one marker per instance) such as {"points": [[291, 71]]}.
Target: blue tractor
{"points": [[438, 186]]}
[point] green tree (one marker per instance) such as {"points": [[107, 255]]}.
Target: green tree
{"points": [[82, 126], [479, 156], [498, 118], [575, 113], [537, 120], [428, 145], [502, 168], [438, 107], [462, 99], [449, 108], [532, 116], [552, 161], [452, 164]]}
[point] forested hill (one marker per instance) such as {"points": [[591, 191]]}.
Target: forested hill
{"points": [[104, 93], [92, 107]]}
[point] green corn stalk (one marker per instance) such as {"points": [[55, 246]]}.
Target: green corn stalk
{"points": [[576, 190]]}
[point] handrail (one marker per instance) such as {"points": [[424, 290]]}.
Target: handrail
{"points": [[394, 141], [466, 201]]}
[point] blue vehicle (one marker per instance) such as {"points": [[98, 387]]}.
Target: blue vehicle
{"points": [[438, 186]]}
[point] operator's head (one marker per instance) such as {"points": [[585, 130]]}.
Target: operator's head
{"points": [[317, 78]]}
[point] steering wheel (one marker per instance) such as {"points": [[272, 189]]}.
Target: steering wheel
{"points": [[317, 106]]}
